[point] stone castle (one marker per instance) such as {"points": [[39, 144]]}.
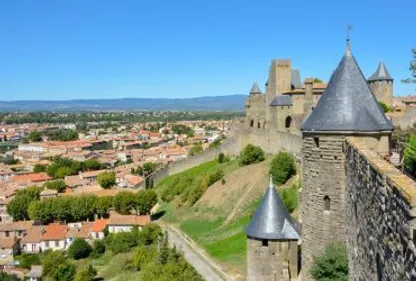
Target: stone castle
{"points": [[349, 191]]}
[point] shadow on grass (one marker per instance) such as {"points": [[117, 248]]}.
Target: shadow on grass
{"points": [[158, 215]]}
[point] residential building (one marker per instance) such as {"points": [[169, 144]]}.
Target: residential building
{"points": [[124, 223], [97, 229], [54, 237]]}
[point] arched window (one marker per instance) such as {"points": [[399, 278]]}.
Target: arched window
{"points": [[251, 123], [288, 122], [258, 125], [327, 203]]}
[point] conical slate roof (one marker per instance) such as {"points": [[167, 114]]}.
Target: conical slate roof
{"points": [[255, 89], [347, 103], [381, 73], [272, 220]]}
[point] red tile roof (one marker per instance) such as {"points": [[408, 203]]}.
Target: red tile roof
{"points": [[55, 231], [35, 177], [34, 235], [99, 225]]}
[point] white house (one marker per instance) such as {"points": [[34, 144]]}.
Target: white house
{"points": [[54, 237], [32, 240]]}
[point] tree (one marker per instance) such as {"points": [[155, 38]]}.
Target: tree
{"points": [[282, 167], [143, 256], [51, 260], [58, 185], [148, 168], [317, 81], [410, 155], [332, 265], [27, 260], [145, 200], [62, 172], [124, 202], [79, 249], [106, 179], [384, 106], [92, 164], [65, 272], [221, 157], [103, 205], [8, 277], [18, 207], [412, 68], [251, 154], [86, 274], [35, 136], [195, 149], [39, 168], [98, 248]]}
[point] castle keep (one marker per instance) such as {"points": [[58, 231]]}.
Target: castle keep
{"points": [[349, 191]]}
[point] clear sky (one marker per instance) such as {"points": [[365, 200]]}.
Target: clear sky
{"points": [[185, 48]]}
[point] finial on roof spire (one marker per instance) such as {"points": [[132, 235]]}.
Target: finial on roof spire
{"points": [[271, 181], [348, 49]]}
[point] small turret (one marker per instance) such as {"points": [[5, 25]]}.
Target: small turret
{"points": [[272, 240], [255, 90], [381, 84]]}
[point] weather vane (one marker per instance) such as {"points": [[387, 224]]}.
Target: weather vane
{"points": [[349, 27]]}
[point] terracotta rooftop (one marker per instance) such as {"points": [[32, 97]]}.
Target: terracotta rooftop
{"points": [[16, 226], [82, 232], [55, 231], [35, 177], [134, 180], [98, 225], [92, 174], [116, 219], [34, 234]]}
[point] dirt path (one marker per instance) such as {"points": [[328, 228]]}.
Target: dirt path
{"points": [[195, 256]]}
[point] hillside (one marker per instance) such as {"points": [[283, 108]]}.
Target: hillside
{"points": [[218, 219], [211, 103]]}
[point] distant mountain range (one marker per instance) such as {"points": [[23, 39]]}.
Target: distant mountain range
{"points": [[218, 103]]}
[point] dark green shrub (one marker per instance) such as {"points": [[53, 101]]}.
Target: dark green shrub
{"points": [[79, 249], [332, 265], [86, 274], [98, 248], [290, 198], [221, 157], [27, 260], [283, 167], [58, 185], [410, 156], [65, 272], [251, 154]]}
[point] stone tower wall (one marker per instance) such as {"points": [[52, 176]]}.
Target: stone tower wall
{"points": [[308, 100], [255, 110], [383, 90], [323, 175], [381, 211]]}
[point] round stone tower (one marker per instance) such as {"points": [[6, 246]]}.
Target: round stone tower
{"points": [[347, 108], [272, 250], [381, 83]]}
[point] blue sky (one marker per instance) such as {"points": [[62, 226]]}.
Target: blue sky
{"points": [[183, 48]]}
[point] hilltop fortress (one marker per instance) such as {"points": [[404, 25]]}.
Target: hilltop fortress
{"points": [[349, 192]]}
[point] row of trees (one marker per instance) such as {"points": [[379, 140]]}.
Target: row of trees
{"points": [[55, 135], [26, 205], [112, 117], [63, 167]]}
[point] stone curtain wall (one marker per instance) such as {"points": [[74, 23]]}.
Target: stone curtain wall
{"points": [[381, 217], [269, 141]]}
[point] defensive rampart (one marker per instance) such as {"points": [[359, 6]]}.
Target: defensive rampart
{"points": [[381, 212]]}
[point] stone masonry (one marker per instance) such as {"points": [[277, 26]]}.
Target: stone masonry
{"points": [[381, 215], [323, 195]]}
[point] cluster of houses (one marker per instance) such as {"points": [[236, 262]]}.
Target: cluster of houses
{"points": [[29, 237]]}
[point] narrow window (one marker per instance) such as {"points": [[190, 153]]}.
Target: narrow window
{"points": [[327, 203], [56, 243], [7, 234], [379, 268], [316, 142], [258, 125], [251, 123], [265, 243], [288, 122]]}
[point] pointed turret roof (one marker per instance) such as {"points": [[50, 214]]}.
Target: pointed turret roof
{"points": [[255, 89], [381, 73], [272, 219], [347, 103]]}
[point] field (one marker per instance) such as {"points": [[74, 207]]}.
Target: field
{"points": [[218, 220]]}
